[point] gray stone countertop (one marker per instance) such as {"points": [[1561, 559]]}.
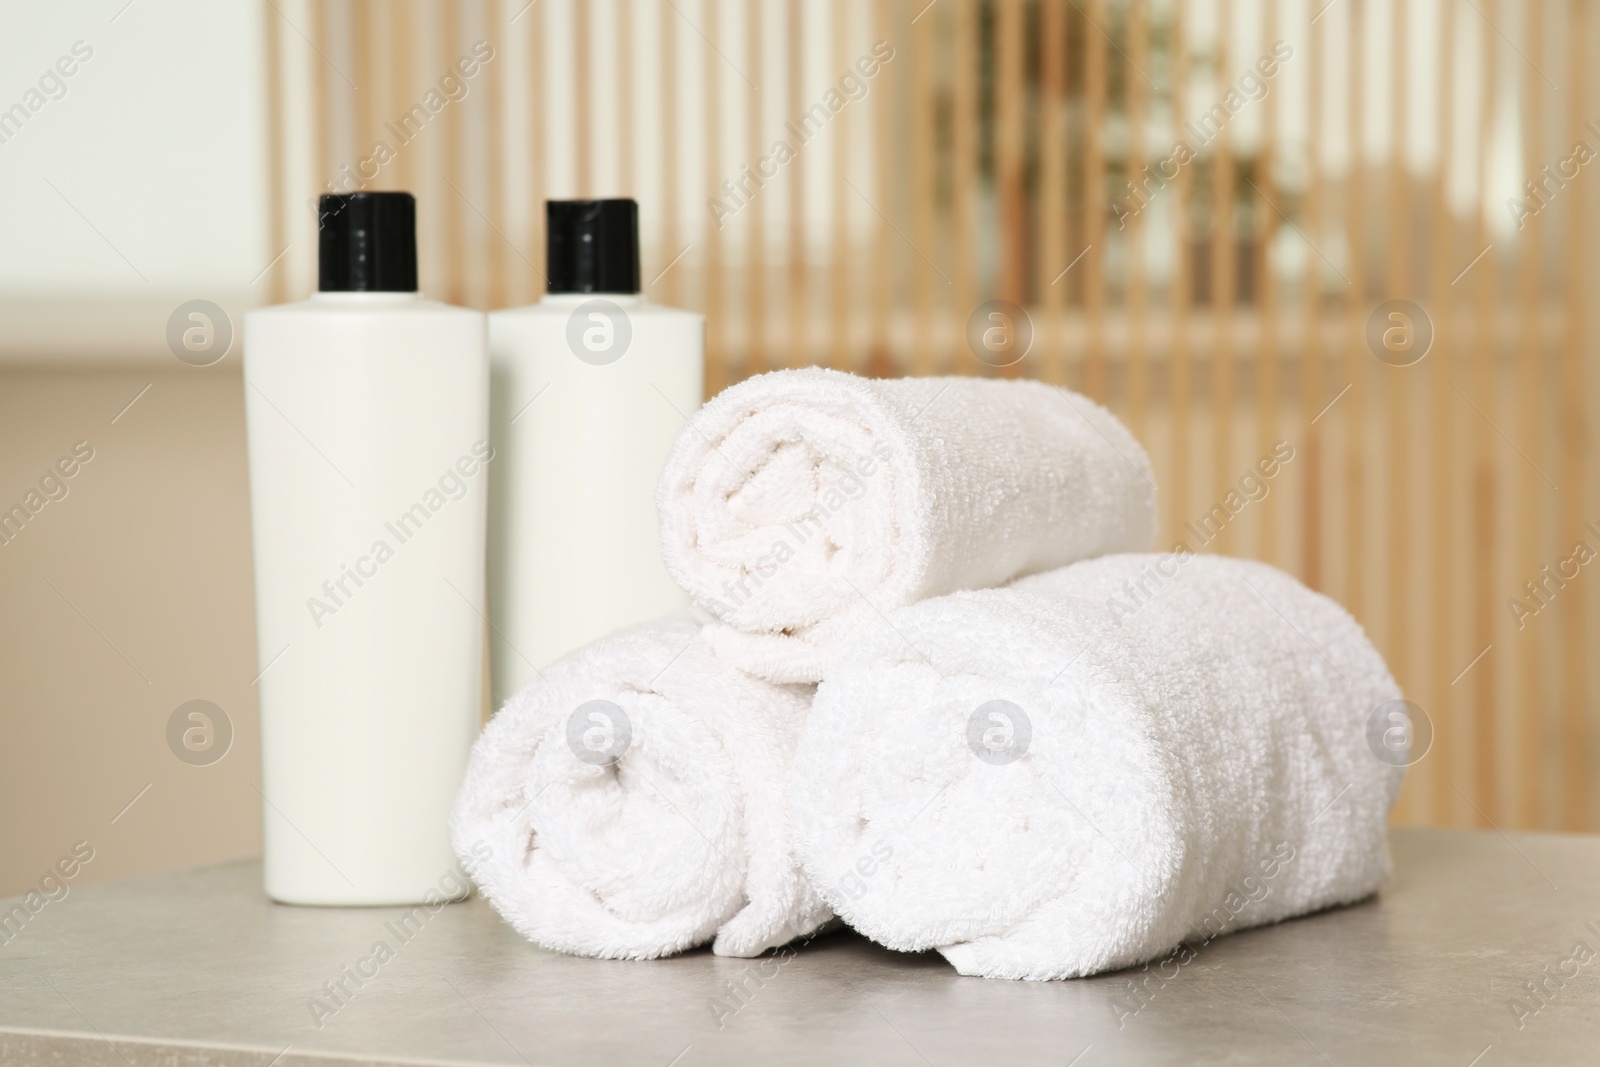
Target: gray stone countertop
{"points": [[198, 967]]}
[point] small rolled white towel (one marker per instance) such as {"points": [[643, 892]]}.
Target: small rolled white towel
{"points": [[631, 802], [1089, 767], [798, 505]]}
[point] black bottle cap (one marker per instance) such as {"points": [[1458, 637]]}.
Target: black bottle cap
{"points": [[591, 246], [367, 242]]}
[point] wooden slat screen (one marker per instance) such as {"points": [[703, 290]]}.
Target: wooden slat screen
{"points": [[1004, 149]]}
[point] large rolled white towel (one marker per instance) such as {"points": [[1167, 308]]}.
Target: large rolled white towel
{"points": [[1089, 767], [798, 505], [631, 802]]}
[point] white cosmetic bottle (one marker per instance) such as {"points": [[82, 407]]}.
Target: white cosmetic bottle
{"points": [[367, 409], [591, 386]]}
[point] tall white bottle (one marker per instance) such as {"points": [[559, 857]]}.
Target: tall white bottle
{"points": [[591, 386], [367, 409]]}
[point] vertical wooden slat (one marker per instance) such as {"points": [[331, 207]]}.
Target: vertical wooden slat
{"points": [[755, 267], [880, 362], [1444, 535], [1053, 257], [923, 179], [1573, 476], [715, 303], [1486, 778], [1094, 201], [671, 247], [1312, 374], [965, 174], [317, 37], [499, 259], [449, 202], [1354, 406], [1268, 394], [627, 156], [1138, 283], [400, 87], [435, 200], [278, 228], [537, 134], [375, 34], [360, 16], [1182, 284], [839, 352], [1397, 383], [1529, 369], [1008, 149], [582, 102], [481, 266], [1224, 263], [798, 314]]}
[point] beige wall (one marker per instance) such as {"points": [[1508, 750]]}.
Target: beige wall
{"points": [[139, 187], [149, 557]]}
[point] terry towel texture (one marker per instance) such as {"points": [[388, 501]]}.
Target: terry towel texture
{"points": [[799, 504], [640, 834], [1082, 770]]}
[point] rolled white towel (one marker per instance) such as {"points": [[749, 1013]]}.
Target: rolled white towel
{"points": [[798, 505], [1089, 767], [631, 802]]}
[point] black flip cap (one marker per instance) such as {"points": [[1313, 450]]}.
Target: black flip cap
{"points": [[591, 246], [367, 242]]}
